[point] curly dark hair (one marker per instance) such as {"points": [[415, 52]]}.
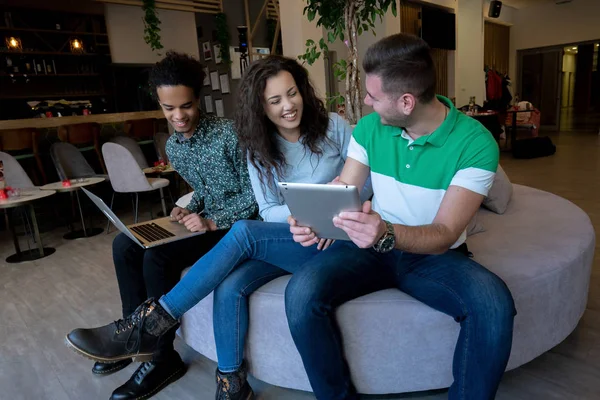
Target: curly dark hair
{"points": [[257, 134], [177, 69]]}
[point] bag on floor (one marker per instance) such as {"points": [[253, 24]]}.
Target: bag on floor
{"points": [[533, 147]]}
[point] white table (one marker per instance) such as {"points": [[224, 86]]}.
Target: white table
{"points": [[26, 198], [77, 184]]}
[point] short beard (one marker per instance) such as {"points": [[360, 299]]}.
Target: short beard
{"points": [[399, 120]]}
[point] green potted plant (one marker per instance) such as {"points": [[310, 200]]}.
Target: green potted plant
{"points": [[345, 20], [151, 25]]}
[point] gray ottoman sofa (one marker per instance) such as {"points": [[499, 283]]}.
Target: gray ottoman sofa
{"points": [[542, 246]]}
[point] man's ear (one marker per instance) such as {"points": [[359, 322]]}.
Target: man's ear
{"points": [[406, 103]]}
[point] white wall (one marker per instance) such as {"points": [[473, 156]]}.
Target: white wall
{"points": [[550, 24], [507, 14], [442, 3], [126, 34], [469, 52], [388, 26], [463, 64], [295, 31]]}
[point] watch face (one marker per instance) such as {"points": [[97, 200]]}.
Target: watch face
{"points": [[388, 244]]}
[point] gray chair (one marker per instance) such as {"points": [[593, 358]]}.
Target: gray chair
{"points": [[70, 163], [133, 147], [160, 144], [127, 177], [16, 177], [14, 174]]}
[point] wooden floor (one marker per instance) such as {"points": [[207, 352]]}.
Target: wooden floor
{"points": [[41, 301]]}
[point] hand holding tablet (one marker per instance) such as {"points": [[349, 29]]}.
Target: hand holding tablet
{"points": [[314, 206]]}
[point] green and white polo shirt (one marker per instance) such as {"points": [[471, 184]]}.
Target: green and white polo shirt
{"points": [[410, 177]]}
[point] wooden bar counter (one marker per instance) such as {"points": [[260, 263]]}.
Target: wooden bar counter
{"points": [[54, 122]]}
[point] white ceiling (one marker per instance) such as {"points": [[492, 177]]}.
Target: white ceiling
{"points": [[524, 3]]}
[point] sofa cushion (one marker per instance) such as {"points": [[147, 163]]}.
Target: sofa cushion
{"points": [[394, 343], [475, 226], [500, 193]]}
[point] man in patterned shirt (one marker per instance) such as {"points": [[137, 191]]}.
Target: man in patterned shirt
{"points": [[204, 151]]}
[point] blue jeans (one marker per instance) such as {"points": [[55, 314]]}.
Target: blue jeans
{"points": [[261, 246], [451, 283]]}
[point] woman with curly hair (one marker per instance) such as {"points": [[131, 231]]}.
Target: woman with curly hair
{"points": [[288, 136]]}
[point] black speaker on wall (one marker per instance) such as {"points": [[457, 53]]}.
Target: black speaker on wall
{"points": [[495, 7]]}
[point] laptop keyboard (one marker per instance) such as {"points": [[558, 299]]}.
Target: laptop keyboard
{"points": [[152, 232]]}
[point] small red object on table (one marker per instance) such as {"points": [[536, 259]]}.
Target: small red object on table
{"points": [[3, 195], [66, 183]]}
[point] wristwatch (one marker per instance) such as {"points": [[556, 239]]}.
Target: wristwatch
{"points": [[388, 241]]}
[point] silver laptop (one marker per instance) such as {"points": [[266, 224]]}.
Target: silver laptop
{"points": [[146, 234]]}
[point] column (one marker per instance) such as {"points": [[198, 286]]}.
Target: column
{"points": [[470, 76], [295, 31]]}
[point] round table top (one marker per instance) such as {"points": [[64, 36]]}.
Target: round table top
{"points": [[74, 184], [26, 196], [153, 170], [480, 113]]}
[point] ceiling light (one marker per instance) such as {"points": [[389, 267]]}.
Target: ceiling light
{"points": [[13, 43], [76, 45]]}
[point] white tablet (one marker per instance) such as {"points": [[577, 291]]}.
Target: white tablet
{"points": [[315, 205]]}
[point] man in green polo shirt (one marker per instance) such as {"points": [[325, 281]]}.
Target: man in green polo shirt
{"points": [[431, 166]]}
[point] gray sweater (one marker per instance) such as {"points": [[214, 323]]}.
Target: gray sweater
{"points": [[302, 166]]}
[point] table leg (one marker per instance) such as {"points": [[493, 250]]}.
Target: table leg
{"points": [[162, 202], [32, 254], [84, 232], [36, 230], [13, 232], [81, 213], [513, 133]]}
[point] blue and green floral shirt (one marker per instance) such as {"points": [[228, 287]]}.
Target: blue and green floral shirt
{"points": [[212, 163]]}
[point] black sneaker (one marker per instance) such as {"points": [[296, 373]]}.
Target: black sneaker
{"points": [[101, 368], [136, 336], [233, 385], [150, 378]]}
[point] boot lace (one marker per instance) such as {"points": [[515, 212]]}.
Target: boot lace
{"points": [[142, 371], [137, 318]]}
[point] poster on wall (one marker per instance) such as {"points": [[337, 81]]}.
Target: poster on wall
{"points": [[214, 80], [206, 51], [224, 78], [206, 81], [217, 49], [208, 103], [219, 108]]}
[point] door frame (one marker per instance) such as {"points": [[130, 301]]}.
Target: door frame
{"points": [[546, 49], [542, 50]]}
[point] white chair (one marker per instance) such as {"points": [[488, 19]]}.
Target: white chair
{"points": [[14, 175], [134, 148], [70, 163], [126, 176], [160, 144]]}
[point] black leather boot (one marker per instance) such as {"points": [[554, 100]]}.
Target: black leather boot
{"points": [[150, 378], [233, 385], [101, 368], [135, 336]]}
